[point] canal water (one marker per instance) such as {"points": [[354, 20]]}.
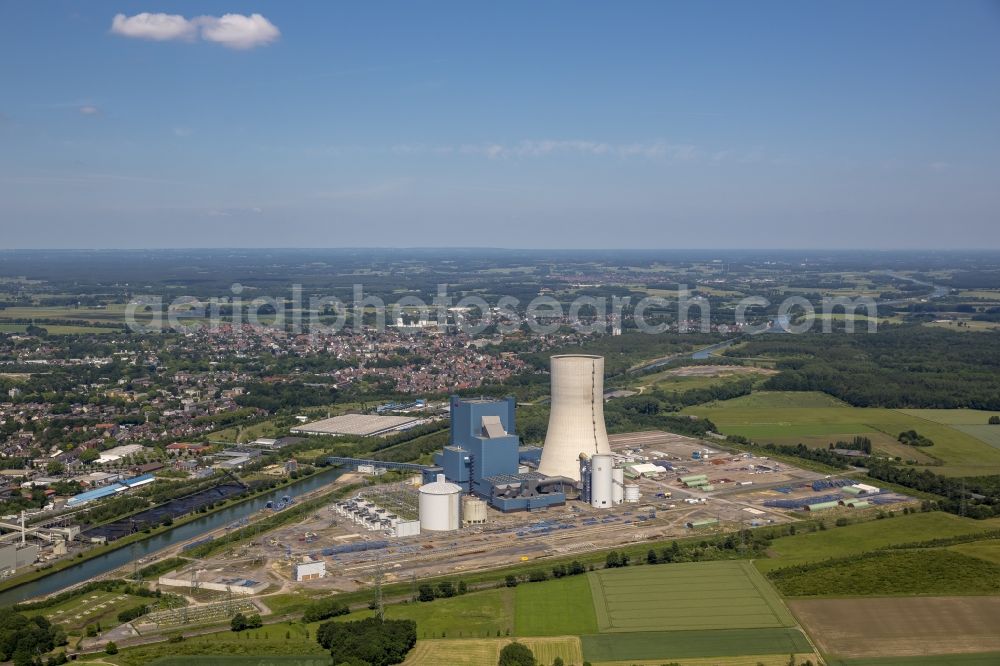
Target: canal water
{"points": [[89, 569]]}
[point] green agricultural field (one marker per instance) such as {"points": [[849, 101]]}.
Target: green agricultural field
{"points": [[696, 595], [115, 313], [861, 537], [973, 422], [472, 615], [561, 607], [988, 434], [780, 400], [670, 645], [58, 329], [787, 417], [984, 550], [893, 573]]}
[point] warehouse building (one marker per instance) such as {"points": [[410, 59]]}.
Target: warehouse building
{"points": [[363, 425]]}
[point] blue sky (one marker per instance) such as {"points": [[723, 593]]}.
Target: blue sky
{"points": [[515, 124]]}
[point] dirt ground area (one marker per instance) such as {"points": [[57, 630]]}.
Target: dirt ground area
{"points": [[901, 626], [664, 511]]}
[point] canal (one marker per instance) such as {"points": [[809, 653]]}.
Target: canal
{"points": [[95, 567]]}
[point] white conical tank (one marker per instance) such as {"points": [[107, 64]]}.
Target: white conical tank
{"points": [[576, 419]]}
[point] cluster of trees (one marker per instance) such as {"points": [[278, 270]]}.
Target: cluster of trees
{"points": [[241, 622], [130, 614], [574, 568], [368, 642], [975, 497], [517, 654], [913, 438], [825, 456], [899, 366], [273, 397], [443, 590], [615, 560], [23, 638], [745, 542], [324, 609], [857, 443]]}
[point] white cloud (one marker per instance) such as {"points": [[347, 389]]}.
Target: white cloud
{"points": [[89, 110], [237, 31], [158, 27], [183, 132], [234, 31]]}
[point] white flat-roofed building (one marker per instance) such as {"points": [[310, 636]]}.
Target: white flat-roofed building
{"points": [[309, 568], [364, 425], [119, 452]]}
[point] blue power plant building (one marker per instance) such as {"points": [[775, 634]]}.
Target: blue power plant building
{"points": [[483, 455]]}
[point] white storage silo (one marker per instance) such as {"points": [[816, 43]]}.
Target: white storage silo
{"points": [[601, 484], [439, 505], [618, 485], [632, 494], [473, 511], [576, 420]]}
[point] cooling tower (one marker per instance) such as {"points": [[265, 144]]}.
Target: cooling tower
{"points": [[576, 420]]}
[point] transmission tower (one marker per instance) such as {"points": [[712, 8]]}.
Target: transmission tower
{"points": [[135, 564], [379, 605]]}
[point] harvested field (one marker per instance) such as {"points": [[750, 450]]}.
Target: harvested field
{"points": [[697, 595], [899, 626], [970, 659]]}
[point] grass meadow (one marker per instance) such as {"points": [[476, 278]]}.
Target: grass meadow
{"points": [[840, 541], [893, 573], [555, 608], [817, 419]]}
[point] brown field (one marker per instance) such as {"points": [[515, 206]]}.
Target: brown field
{"points": [[901, 626]]}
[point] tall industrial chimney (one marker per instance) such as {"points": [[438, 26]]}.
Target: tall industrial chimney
{"points": [[576, 421]]}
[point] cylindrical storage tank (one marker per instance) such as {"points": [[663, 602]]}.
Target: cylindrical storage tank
{"points": [[585, 478], [601, 493], [632, 493], [576, 419], [617, 485], [439, 505], [473, 511]]}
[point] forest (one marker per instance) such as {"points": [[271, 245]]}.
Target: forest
{"points": [[897, 367]]}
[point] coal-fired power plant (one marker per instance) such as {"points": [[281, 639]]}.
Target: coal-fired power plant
{"points": [[485, 461], [576, 419]]}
